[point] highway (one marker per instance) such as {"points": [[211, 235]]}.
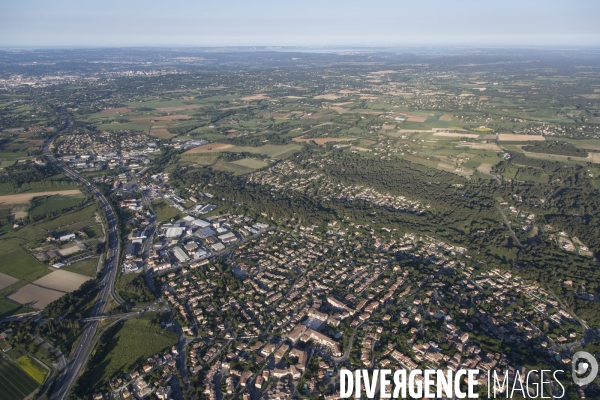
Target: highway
{"points": [[80, 355]]}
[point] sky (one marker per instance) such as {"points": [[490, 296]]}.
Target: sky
{"points": [[105, 23]]}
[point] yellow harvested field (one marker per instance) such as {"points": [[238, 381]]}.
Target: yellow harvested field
{"points": [[456, 135], [519, 138], [64, 281], [387, 127], [24, 198], [258, 96], [349, 91], [327, 97], [294, 97], [178, 108], [416, 119], [208, 148], [35, 296], [6, 280], [160, 132], [446, 117], [321, 141]]}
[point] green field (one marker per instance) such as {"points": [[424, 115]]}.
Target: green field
{"points": [[164, 211], [18, 262], [15, 384], [271, 150], [7, 308], [251, 163], [43, 205], [33, 369], [128, 346], [68, 219], [85, 267]]}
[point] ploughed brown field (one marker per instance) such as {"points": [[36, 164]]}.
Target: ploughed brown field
{"points": [[35, 296], [6, 280], [64, 281]]}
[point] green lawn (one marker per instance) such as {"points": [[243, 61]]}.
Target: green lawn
{"points": [[15, 384], [128, 346]]}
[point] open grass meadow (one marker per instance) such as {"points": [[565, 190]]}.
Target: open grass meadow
{"points": [[15, 384], [18, 263], [84, 267], [128, 345], [8, 308], [69, 219], [46, 204], [271, 150], [164, 211]]}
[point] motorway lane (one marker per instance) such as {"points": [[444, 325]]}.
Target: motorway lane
{"points": [[83, 350]]}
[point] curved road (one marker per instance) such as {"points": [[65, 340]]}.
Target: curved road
{"points": [[80, 355]]}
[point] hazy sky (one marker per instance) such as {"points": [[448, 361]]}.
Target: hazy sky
{"points": [[303, 22]]}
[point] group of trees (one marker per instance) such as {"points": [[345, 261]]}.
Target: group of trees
{"points": [[556, 147], [71, 304]]}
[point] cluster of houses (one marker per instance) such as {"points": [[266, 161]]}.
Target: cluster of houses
{"points": [[93, 151], [312, 288], [138, 385]]}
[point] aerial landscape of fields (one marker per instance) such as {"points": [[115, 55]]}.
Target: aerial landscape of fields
{"points": [[314, 201], [230, 189]]}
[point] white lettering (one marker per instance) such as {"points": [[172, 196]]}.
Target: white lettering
{"points": [[400, 383], [346, 389], [457, 392], [444, 381], [370, 386], [472, 383], [557, 381], [383, 382], [428, 383], [415, 386]]}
